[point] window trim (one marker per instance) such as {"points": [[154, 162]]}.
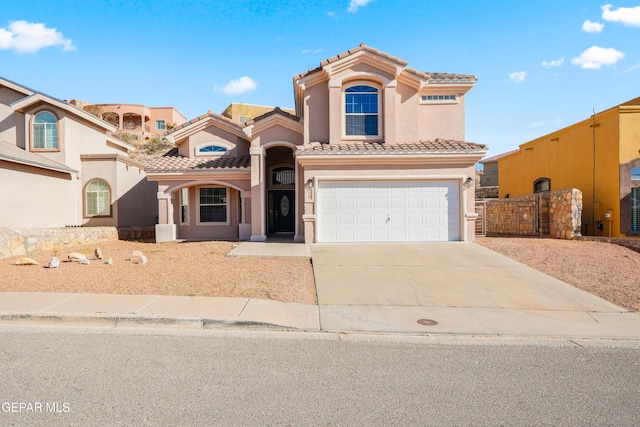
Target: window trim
{"points": [[540, 181], [85, 210], [378, 88], [33, 136], [197, 149], [227, 204], [164, 125], [455, 100]]}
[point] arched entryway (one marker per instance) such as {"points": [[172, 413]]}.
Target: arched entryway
{"points": [[280, 191]]}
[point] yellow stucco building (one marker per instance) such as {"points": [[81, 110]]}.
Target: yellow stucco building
{"points": [[600, 156]]}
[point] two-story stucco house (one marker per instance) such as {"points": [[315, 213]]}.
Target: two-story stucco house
{"points": [[60, 166], [374, 152]]}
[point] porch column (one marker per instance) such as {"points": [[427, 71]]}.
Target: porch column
{"points": [[165, 229], [335, 112], [258, 233], [298, 186], [389, 108]]}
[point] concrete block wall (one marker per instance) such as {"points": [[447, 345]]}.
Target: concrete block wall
{"points": [[26, 241]]}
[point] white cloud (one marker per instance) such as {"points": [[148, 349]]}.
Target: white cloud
{"points": [[331, 14], [30, 37], [518, 76], [241, 85], [306, 51], [595, 57], [553, 63], [356, 4], [632, 68], [629, 16], [592, 27], [538, 124]]}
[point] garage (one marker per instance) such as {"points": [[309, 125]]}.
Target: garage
{"points": [[388, 211]]}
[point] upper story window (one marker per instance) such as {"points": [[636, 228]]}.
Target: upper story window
{"points": [[362, 104], [45, 131], [244, 119], [160, 125], [210, 150], [439, 98]]}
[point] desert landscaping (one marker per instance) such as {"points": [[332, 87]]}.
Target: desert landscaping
{"points": [[607, 270]]}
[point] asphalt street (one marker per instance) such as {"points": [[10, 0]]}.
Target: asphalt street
{"points": [[102, 376]]}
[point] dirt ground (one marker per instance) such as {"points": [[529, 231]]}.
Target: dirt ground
{"points": [[609, 271], [180, 268]]}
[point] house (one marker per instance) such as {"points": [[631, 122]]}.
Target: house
{"points": [[489, 177], [241, 113], [599, 156], [139, 121], [374, 152], [60, 166]]}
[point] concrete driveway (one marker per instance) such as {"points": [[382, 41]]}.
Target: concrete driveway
{"points": [[463, 286]]}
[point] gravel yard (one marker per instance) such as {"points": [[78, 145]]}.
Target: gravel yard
{"points": [[607, 270], [180, 268]]}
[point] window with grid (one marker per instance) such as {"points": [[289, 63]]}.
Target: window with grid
{"points": [[635, 210], [45, 131], [160, 125], [213, 205], [97, 199], [361, 110]]}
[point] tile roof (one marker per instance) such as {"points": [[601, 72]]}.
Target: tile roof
{"points": [[13, 153], [171, 161], [209, 113], [360, 147], [497, 156], [276, 110], [431, 76]]}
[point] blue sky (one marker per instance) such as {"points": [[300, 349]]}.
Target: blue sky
{"points": [[541, 65]]}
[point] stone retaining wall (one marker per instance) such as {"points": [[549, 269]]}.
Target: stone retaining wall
{"points": [[25, 241], [551, 213]]}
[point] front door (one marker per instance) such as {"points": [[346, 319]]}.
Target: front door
{"points": [[281, 215]]}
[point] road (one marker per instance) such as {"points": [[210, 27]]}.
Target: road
{"points": [[133, 377]]}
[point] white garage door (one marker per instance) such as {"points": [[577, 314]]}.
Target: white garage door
{"points": [[386, 211]]}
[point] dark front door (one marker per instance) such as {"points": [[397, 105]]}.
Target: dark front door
{"points": [[281, 211]]}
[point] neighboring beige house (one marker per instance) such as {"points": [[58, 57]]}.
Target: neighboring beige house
{"points": [[374, 152], [137, 120], [242, 113], [59, 166]]}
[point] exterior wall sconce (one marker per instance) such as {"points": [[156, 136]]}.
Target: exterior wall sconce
{"points": [[468, 183], [308, 190]]}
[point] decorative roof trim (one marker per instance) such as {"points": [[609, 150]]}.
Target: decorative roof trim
{"points": [[9, 152]]}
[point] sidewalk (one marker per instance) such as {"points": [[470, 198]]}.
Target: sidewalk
{"points": [[209, 313]]}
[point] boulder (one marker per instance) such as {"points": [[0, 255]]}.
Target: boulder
{"points": [[54, 262], [98, 253], [109, 261], [26, 261], [84, 261], [142, 259]]}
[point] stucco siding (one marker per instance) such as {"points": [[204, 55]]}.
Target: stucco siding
{"points": [[34, 197], [317, 107]]}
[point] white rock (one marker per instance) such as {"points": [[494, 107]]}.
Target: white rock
{"points": [[26, 261], [136, 256], [75, 256], [54, 262], [98, 253], [84, 261], [109, 261], [142, 259]]}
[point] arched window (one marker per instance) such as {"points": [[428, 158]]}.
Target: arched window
{"points": [[541, 184], [211, 149], [45, 131], [97, 199], [361, 111]]}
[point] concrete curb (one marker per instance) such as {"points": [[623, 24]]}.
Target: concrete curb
{"points": [[143, 321]]}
